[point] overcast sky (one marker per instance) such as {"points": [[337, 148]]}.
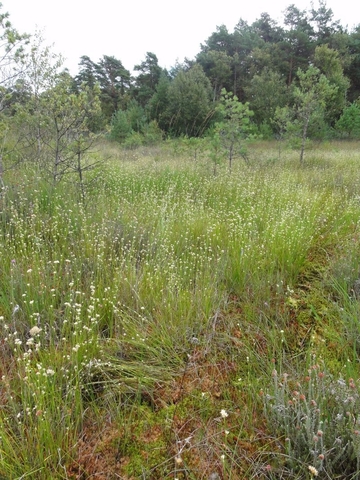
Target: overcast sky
{"points": [[129, 29]]}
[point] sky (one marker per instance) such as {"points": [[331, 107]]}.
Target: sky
{"points": [[128, 29]]}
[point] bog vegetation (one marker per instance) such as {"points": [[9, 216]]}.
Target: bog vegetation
{"points": [[179, 277]]}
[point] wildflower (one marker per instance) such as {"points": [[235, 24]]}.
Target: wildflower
{"points": [[35, 331], [224, 413], [50, 372], [313, 471], [18, 341]]}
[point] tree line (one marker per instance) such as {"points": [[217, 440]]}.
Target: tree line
{"points": [[300, 78]]}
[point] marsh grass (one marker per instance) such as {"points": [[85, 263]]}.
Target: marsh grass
{"points": [[161, 302]]}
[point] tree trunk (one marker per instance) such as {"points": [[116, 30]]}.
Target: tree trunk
{"points": [[303, 140], [1, 172]]}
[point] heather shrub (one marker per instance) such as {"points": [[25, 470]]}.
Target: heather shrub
{"points": [[317, 419]]}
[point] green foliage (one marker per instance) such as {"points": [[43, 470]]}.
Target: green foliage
{"points": [[54, 125], [353, 68], [147, 78], [217, 66], [158, 104], [153, 133], [330, 65], [131, 128], [133, 140], [311, 96], [235, 126], [325, 26], [120, 126], [348, 124], [298, 41], [113, 79], [189, 107], [266, 92], [12, 48], [129, 125], [216, 151]]}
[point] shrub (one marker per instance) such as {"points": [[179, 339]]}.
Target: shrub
{"points": [[134, 140], [318, 420]]}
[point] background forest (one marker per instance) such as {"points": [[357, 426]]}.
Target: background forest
{"points": [[300, 77]]}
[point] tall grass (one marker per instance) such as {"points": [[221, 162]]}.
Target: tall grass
{"points": [[168, 278]]}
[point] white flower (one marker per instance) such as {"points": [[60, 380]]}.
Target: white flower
{"points": [[50, 372], [313, 471], [224, 413], [35, 331]]}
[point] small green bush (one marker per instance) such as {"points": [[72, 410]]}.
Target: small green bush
{"points": [[134, 140]]}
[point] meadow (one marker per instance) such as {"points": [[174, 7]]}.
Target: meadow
{"points": [[185, 322]]}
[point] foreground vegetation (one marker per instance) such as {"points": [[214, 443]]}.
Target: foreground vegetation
{"points": [[181, 324]]}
